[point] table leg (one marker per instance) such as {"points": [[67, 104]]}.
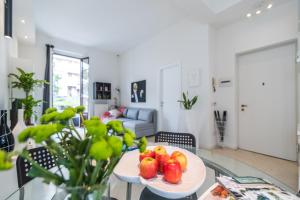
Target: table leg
{"points": [[128, 192]]}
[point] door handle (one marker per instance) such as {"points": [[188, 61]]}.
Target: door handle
{"points": [[244, 106]]}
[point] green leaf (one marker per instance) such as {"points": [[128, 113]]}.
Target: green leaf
{"points": [[48, 177]]}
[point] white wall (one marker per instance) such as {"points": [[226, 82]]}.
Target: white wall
{"points": [[186, 43], [103, 65], [278, 25]]}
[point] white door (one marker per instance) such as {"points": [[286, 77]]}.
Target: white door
{"points": [[170, 94], [267, 101]]}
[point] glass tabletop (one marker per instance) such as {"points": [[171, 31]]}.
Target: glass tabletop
{"points": [[215, 163]]}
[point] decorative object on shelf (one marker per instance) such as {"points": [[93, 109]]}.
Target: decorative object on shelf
{"points": [[138, 92], [8, 18], [7, 141], [186, 102], [221, 123], [101, 91], [89, 158], [26, 82], [20, 126]]}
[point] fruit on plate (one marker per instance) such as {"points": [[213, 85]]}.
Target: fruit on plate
{"points": [[162, 159], [160, 150], [181, 158], [172, 171], [146, 154], [148, 168]]}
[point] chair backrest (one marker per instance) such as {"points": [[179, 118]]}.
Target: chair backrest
{"points": [[185, 139], [41, 155]]}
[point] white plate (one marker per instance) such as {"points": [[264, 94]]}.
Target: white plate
{"points": [[128, 170]]}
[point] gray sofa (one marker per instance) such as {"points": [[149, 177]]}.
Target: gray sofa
{"points": [[142, 121]]}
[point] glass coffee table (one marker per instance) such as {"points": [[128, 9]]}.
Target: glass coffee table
{"points": [[215, 163]]}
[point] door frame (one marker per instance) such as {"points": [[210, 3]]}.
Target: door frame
{"points": [[168, 66], [236, 76]]}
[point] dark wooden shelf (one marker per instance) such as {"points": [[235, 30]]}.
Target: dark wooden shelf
{"points": [[101, 91]]}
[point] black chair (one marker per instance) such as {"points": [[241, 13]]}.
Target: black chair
{"points": [[43, 157], [181, 139], [185, 139], [40, 155]]}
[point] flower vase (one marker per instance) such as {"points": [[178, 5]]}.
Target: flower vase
{"points": [[95, 192], [20, 126], [7, 141]]}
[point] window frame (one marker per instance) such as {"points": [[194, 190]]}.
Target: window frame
{"points": [[81, 59]]}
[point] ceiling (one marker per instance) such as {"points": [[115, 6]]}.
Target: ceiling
{"points": [[118, 25]]}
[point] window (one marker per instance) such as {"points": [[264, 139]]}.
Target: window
{"points": [[70, 82]]}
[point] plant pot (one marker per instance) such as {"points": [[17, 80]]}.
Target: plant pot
{"points": [[192, 122]]}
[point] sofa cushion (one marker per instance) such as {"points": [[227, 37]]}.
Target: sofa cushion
{"points": [[123, 119], [132, 113], [145, 115], [136, 124]]}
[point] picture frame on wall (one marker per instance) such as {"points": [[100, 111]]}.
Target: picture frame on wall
{"points": [[138, 91]]}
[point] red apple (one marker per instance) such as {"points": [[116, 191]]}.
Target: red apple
{"points": [[160, 150], [181, 158], [148, 168], [146, 154], [161, 159], [172, 171]]}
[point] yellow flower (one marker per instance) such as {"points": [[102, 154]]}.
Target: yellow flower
{"points": [[116, 145], [26, 134], [5, 161], [133, 135], [142, 144], [95, 128], [50, 110], [128, 139], [116, 126], [80, 109], [100, 150], [46, 118], [66, 114]]}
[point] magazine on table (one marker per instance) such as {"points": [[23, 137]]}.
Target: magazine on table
{"points": [[252, 188]]}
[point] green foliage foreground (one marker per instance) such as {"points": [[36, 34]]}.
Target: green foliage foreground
{"points": [[89, 159]]}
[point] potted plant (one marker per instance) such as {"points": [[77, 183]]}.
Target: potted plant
{"points": [[190, 115], [186, 102], [89, 158], [26, 82]]}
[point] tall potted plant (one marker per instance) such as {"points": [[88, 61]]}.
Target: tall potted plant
{"points": [[89, 158], [26, 82], [189, 114]]}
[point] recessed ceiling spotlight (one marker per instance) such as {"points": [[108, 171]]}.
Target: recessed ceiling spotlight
{"points": [[26, 37], [270, 6], [249, 15], [23, 21], [258, 12]]}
